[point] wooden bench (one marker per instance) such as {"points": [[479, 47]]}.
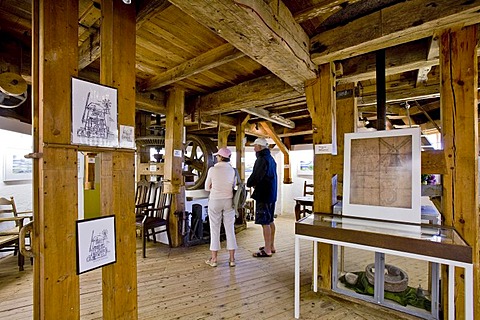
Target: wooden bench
{"points": [[11, 221]]}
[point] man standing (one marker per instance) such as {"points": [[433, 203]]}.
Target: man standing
{"points": [[264, 180]]}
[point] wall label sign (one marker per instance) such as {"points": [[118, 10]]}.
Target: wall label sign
{"points": [[323, 148], [177, 153]]}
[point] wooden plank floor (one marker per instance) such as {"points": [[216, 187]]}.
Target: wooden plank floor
{"points": [[177, 284]]}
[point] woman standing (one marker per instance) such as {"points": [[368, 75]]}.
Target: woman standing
{"points": [[220, 182]]}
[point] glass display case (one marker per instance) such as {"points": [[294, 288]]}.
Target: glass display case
{"points": [[361, 246]]}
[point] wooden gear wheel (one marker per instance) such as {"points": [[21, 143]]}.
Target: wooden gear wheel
{"points": [[198, 159]]}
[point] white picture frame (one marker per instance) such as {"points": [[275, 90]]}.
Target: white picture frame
{"points": [[305, 168], [96, 246], [15, 166], [382, 175], [94, 114], [127, 137]]}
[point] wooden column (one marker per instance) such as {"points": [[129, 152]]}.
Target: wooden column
{"points": [[320, 96], [174, 157], [347, 117], [223, 137], [56, 284], [37, 148], [117, 186], [240, 145], [458, 94]]}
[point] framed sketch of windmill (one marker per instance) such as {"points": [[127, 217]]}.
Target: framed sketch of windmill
{"points": [[94, 114], [382, 175]]}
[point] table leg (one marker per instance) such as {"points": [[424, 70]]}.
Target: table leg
{"points": [[315, 266], [297, 278], [297, 211], [451, 291], [469, 292]]}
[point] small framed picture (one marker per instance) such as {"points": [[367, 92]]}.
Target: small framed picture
{"points": [[95, 243], [382, 175], [15, 166]]}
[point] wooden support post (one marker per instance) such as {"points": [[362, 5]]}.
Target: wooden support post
{"points": [[458, 94], [320, 96], [177, 208], [117, 186], [174, 140], [37, 148], [223, 138], [174, 183], [287, 170], [56, 284], [240, 146], [347, 113], [142, 121]]}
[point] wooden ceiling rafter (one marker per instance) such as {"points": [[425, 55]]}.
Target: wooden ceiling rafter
{"points": [[206, 61]]}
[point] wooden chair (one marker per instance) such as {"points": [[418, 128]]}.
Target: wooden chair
{"points": [[11, 221], [307, 191], [154, 220]]}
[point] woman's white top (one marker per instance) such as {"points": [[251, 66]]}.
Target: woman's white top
{"points": [[220, 181]]}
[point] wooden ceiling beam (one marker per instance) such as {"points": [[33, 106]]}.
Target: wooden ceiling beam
{"points": [[253, 93], [149, 10], [405, 94], [400, 58], [322, 10], [89, 51], [266, 32], [400, 23], [206, 61], [152, 101], [266, 115], [227, 122]]}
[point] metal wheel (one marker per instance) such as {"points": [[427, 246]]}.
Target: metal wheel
{"points": [[198, 158]]}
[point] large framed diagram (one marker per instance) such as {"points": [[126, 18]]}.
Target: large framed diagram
{"points": [[382, 175], [94, 114]]}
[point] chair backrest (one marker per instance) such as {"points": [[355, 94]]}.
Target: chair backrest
{"points": [[143, 192], [8, 209], [160, 202], [307, 188]]}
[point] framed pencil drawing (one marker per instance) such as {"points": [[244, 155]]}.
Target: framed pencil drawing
{"points": [[94, 114], [95, 243], [382, 175]]}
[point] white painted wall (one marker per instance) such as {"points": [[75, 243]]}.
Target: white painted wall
{"points": [[290, 191], [286, 192], [21, 190]]}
